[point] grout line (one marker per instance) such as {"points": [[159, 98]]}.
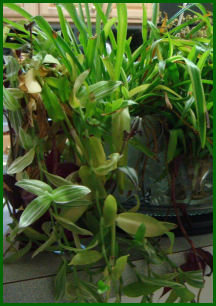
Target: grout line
{"points": [[96, 267]]}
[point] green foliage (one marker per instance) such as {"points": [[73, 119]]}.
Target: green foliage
{"points": [[70, 102]]}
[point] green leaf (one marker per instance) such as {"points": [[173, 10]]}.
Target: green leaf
{"points": [[35, 210], [25, 139], [172, 145], [138, 89], [142, 147], [89, 290], [19, 10], [45, 245], [131, 174], [86, 258], [20, 253], [69, 194], [121, 37], [20, 163], [161, 282], [102, 287], [140, 234], [60, 281], [103, 88], [108, 166], [185, 295], [193, 278], [9, 100], [52, 104], [172, 297], [34, 186], [199, 96], [119, 267], [56, 180], [109, 210], [130, 222], [32, 234], [69, 225], [138, 289], [171, 237]]}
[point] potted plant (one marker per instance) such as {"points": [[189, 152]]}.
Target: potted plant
{"points": [[67, 102]]}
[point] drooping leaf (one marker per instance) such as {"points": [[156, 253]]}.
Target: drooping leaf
{"points": [[131, 174], [20, 163]]}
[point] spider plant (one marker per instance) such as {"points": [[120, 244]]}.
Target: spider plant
{"points": [[67, 101]]}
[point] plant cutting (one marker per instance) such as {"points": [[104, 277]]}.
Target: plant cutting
{"points": [[68, 101]]}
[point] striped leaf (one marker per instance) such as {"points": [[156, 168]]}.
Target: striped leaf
{"points": [[9, 100], [35, 210], [69, 194], [34, 186], [20, 163]]}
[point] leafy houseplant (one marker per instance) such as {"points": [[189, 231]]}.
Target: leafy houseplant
{"points": [[68, 102]]}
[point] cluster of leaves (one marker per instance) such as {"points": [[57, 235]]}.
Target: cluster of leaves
{"points": [[67, 100]]}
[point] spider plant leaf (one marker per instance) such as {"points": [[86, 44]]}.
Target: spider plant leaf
{"points": [[86, 258], [63, 23], [138, 89], [144, 23], [180, 12], [69, 193], [155, 11], [9, 100], [199, 97], [121, 37], [70, 7], [35, 210], [103, 88], [69, 225], [15, 25], [34, 186], [89, 24], [61, 46], [20, 253], [19, 10], [20, 163], [52, 104]]}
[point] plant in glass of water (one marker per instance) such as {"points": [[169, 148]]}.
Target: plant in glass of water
{"points": [[67, 103]]}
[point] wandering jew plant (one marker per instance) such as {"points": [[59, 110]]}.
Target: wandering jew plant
{"points": [[69, 102]]}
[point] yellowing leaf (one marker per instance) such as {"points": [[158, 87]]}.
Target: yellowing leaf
{"points": [[31, 83]]}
